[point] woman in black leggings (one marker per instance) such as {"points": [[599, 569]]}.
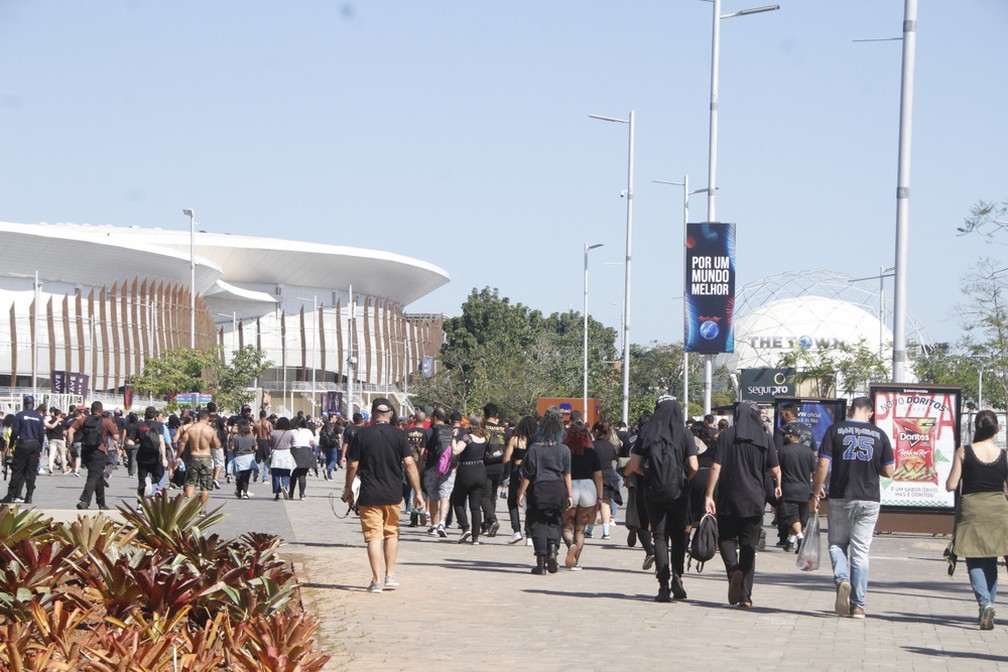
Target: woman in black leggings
{"points": [[470, 477], [546, 475], [517, 446]]}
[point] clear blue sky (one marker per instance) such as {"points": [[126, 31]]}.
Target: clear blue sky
{"points": [[457, 132]]}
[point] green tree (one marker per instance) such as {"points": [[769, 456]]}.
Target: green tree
{"points": [[188, 370], [845, 370]]}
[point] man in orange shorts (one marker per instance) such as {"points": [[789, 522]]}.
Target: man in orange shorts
{"points": [[378, 455]]}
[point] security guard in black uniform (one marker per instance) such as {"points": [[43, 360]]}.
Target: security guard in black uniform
{"points": [[27, 434]]}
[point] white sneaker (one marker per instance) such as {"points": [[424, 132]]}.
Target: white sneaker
{"points": [[391, 583], [528, 541], [515, 538]]}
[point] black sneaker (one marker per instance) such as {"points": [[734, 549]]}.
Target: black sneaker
{"points": [[81, 506], [494, 526]]}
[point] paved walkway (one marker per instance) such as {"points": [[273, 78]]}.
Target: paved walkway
{"points": [[462, 607]]}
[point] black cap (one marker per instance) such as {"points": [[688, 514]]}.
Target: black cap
{"points": [[381, 405], [792, 428], [29, 400]]}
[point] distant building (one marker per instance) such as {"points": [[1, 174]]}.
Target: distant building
{"points": [[111, 297]]}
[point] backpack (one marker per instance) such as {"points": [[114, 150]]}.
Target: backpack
{"points": [[92, 431], [445, 435], [148, 442], [495, 445], [664, 476], [704, 544], [328, 435]]}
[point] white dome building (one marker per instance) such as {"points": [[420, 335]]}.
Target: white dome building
{"points": [[810, 310]]}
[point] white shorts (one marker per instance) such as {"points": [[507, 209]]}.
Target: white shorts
{"points": [[584, 493], [217, 454]]}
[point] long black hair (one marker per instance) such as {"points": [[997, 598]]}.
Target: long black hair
{"points": [[986, 426]]}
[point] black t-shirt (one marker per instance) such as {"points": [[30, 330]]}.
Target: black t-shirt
{"points": [[857, 452], [585, 465], [797, 462], [349, 432], [606, 453], [741, 491], [417, 437], [805, 436], [474, 450], [379, 451]]}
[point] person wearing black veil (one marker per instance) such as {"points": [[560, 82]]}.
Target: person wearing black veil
{"points": [[666, 455], [742, 454]]}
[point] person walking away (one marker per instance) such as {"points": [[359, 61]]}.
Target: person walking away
{"points": [[546, 477], [798, 463], [788, 415], [981, 533], [303, 452], [244, 457], [469, 448], [742, 455], [378, 455], [198, 444], [417, 435], [853, 455], [438, 486], [514, 454], [604, 438], [150, 455], [586, 491], [496, 435], [97, 433], [348, 434], [262, 429], [665, 456], [27, 431], [281, 460]]}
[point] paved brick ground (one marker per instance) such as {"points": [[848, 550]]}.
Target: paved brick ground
{"points": [[462, 607]]}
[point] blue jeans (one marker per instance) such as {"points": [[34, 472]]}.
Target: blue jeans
{"points": [[332, 459], [851, 526], [983, 578], [281, 480]]}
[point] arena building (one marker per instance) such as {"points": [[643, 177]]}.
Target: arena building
{"points": [[84, 306]]}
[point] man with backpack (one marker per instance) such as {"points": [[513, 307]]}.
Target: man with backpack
{"points": [[151, 458], [493, 460], [329, 442], [742, 454], [97, 432], [666, 456], [438, 471]]}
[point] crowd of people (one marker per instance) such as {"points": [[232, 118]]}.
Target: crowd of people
{"points": [[565, 477]]}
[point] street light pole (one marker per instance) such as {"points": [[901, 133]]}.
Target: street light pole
{"points": [[712, 147], [191, 214], [584, 396], [686, 194], [627, 274]]}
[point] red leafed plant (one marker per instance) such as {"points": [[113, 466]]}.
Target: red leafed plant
{"points": [[281, 642]]}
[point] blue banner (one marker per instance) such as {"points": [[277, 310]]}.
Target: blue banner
{"points": [[709, 288]]}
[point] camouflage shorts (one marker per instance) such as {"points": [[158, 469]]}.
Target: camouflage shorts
{"points": [[199, 473]]}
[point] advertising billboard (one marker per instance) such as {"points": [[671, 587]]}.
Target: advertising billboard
{"points": [[922, 422], [817, 414], [709, 287], [762, 385]]}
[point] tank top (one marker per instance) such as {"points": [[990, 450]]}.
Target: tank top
{"points": [[980, 476]]}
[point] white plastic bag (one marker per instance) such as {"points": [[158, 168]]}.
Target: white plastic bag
{"points": [[811, 546]]}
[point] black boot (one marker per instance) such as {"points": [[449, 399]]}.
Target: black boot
{"points": [[663, 592], [678, 590], [540, 567], [551, 558]]}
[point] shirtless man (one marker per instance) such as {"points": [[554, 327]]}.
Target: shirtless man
{"points": [[262, 429], [201, 439]]}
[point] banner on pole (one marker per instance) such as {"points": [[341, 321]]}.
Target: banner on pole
{"points": [[709, 287]]}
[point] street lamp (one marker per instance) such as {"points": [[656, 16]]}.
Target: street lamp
{"points": [[882, 274], [584, 396], [712, 147], [626, 280], [191, 214], [686, 194], [314, 345]]}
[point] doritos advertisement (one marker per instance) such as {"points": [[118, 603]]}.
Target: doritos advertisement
{"points": [[923, 426]]}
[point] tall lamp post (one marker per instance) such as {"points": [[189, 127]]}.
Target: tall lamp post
{"points": [[191, 214], [685, 221], [883, 273], [626, 279], [584, 396], [712, 147]]}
